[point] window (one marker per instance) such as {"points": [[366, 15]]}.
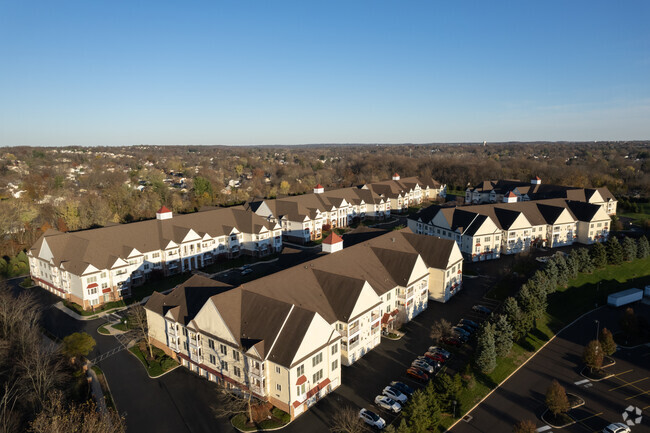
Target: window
{"points": [[223, 349], [185, 332], [213, 359], [316, 360], [486, 239], [155, 255], [388, 296], [224, 365], [104, 285], [335, 364], [335, 349], [278, 387], [92, 291], [185, 345], [237, 371], [318, 376], [277, 370], [211, 343], [92, 279], [235, 355], [300, 370], [103, 275]]}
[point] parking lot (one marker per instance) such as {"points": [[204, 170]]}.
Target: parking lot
{"points": [[606, 401]]}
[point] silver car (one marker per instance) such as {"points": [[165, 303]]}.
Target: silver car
{"points": [[371, 418], [388, 403]]}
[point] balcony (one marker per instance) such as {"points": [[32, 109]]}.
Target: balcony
{"points": [[171, 331], [374, 316], [256, 372], [354, 345], [258, 390], [353, 330]]}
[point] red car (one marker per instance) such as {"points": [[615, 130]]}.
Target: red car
{"points": [[435, 357], [417, 373], [452, 341]]}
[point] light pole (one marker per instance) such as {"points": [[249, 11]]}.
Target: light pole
{"points": [[597, 328]]}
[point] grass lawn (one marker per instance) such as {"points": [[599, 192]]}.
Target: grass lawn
{"points": [[581, 295], [584, 292], [121, 326], [105, 307], [159, 365], [637, 217], [102, 329], [279, 419]]}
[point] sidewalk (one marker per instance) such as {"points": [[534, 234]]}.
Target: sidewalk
{"points": [[96, 388], [77, 316]]}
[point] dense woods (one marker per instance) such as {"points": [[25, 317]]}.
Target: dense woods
{"points": [[75, 188]]}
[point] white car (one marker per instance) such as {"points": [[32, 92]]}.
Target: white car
{"points": [[388, 403], [395, 394], [371, 418], [617, 427], [422, 365], [436, 349]]}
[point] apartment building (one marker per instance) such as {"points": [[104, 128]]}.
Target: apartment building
{"points": [[507, 190], [302, 217], [284, 337], [485, 231], [101, 265]]}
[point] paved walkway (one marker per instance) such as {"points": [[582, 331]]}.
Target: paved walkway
{"points": [[96, 388]]}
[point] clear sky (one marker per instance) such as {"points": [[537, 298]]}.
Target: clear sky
{"points": [[97, 72]]}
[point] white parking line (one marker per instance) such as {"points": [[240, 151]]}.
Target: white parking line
{"points": [[580, 382], [541, 429]]}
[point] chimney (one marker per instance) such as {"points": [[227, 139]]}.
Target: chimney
{"points": [[536, 181], [396, 176], [318, 189], [163, 214]]}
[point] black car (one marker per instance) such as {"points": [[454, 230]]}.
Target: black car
{"points": [[482, 309], [466, 328], [470, 323], [403, 388]]}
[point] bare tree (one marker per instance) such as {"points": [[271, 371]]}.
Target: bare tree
{"points": [[138, 320], [347, 420], [56, 418], [9, 419], [440, 329], [233, 402], [525, 426], [40, 372]]}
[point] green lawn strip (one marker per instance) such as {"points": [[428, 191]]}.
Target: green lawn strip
{"points": [[584, 293], [102, 329], [26, 283], [161, 364], [637, 217], [280, 419], [565, 305], [108, 398], [121, 327], [105, 307]]}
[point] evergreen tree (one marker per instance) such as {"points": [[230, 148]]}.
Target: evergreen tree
{"points": [[572, 263], [533, 305], [486, 355], [502, 336], [552, 273], [585, 263], [562, 270], [614, 251], [642, 248], [515, 317], [629, 249], [433, 403], [607, 343], [403, 427], [598, 255], [539, 279], [417, 413]]}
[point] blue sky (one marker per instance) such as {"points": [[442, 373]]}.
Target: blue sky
{"points": [[288, 72]]}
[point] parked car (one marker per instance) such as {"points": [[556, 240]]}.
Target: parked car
{"points": [[423, 365], [395, 394], [451, 341], [371, 418], [388, 403], [617, 427], [403, 388], [417, 373], [435, 364], [466, 328], [246, 266], [436, 357], [246, 271], [481, 309], [440, 350], [468, 322]]}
